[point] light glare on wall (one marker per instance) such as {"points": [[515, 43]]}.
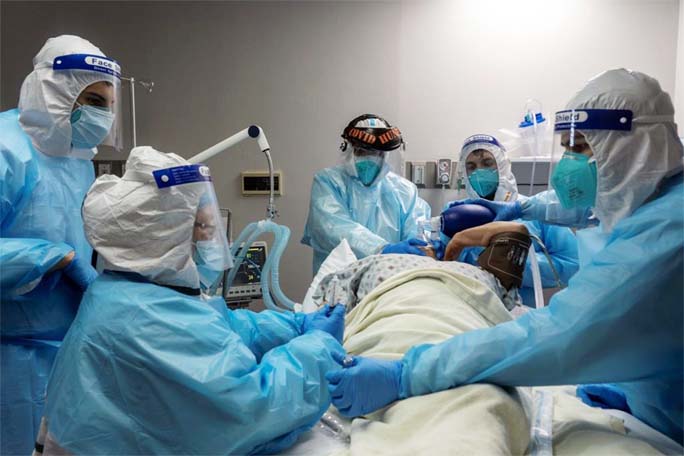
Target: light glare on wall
{"points": [[534, 14]]}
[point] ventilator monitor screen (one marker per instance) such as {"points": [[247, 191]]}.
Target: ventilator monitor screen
{"points": [[250, 269]]}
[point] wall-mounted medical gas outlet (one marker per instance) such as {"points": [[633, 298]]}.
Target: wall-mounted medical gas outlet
{"points": [[443, 173], [430, 174], [115, 167], [416, 173], [257, 183]]}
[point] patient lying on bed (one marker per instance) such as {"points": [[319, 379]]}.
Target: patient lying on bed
{"points": [[397, 301], [350, 285]]}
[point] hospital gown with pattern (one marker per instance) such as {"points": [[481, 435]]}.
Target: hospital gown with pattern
{"points": [[352, 284]]}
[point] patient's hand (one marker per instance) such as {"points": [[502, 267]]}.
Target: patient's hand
{"points": [[429, 251], [479, 236]]}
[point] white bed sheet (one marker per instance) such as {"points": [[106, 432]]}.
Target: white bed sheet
{"points": [[323, 441]]}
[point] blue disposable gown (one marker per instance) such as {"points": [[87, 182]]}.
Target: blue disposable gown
{"points": [[145, 369], [40, 221], [619, 320], [370, 217], [561, 244]]}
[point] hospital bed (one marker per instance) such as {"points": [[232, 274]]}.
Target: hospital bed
{"points": [[555, 420]]}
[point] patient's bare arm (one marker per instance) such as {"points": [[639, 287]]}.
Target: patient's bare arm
{"points": [[479, 236]]}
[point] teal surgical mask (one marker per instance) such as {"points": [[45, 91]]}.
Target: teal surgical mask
{"points": [[90, 125], [484, 181], [210, 262], [368, 168], [574, 180]]}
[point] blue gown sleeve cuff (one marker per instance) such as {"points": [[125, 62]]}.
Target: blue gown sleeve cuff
{"points": [[23, 261]]}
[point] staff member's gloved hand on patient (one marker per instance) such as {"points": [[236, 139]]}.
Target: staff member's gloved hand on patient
{"points": [[409, 246], [328, 319], [603, 395], [365, 385]]}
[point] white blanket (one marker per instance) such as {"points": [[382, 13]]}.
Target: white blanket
{"points": [[429, 306]]}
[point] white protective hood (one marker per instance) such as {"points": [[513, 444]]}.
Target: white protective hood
{"points": [[630, 164], [47, 97], [508, 188], [137, 227]]}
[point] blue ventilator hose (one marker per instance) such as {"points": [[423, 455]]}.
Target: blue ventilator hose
{"points": [[270, 275]]}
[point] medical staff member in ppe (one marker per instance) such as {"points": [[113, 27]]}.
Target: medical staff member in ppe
{"points": [[620, 318], [483, 160], [153, 366], [362, 200], [67, 106]]}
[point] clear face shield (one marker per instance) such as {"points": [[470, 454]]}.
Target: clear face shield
{"points": [[210, 250], [96, 118], [371, 146], [573, 170]]}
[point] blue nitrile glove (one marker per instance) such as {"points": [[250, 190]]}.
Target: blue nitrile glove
{"points": [[328, 319], [505, 211], [407, 246], [603, 395], [439, 246], [364, 385], [80, 272]]}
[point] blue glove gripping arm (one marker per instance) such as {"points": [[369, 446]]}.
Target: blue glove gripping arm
{"points": [[329, 222], [263, 331], [561, 244], [25, 260], [600, 329]]}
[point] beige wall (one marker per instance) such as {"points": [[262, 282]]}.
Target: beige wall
{"points": [[679, 83], [439, 69]]}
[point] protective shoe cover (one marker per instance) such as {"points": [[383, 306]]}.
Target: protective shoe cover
{"points": [[40, 222], [48, 96], [619, 320], [559, 241], [137, 227], [149, 370], [369, 217]]}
